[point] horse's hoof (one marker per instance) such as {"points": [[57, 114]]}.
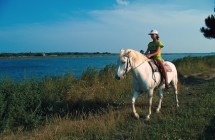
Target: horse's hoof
{"points": [[147, 118], [157, 110], [136, 115]]}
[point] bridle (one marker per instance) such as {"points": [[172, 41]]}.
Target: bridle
{"points": [[126, 68], [129, 62]]}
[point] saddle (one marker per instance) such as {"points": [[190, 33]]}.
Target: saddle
{"points": [[155, 67]]}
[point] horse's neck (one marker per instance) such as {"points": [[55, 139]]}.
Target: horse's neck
{"points": [[140, 75], [142, 70]]}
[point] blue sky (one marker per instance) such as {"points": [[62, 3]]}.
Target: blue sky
{"points": [[103, 25]]}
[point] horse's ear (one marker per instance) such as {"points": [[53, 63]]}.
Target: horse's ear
{"points": [[127, 53], [122, 52]]}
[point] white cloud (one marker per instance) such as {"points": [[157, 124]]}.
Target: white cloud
{"points": [[179, 27], [122, 2]]}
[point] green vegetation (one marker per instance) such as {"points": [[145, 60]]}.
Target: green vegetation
{"points": [[209, 30], [97, 106], [191, 65]]}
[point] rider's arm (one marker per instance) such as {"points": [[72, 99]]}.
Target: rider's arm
{"points": [[155, 53], [147, 51]]}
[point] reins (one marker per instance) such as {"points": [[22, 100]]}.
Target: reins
{"points": [[129, 62], [139, 64]]}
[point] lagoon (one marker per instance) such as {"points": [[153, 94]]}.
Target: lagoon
{"points": [[25, 68]]}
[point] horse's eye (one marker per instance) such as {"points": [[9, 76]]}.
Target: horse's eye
{"points": [[123, 62]]}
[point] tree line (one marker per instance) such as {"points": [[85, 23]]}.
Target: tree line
{"points": [[38, 54]]}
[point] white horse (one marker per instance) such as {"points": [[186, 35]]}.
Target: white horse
{"points": [[144, 79]]}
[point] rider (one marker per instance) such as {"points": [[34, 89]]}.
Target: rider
{"points": [[154, 51]]}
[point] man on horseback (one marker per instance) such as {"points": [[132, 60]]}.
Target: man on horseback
{"points": [[154, 51]]}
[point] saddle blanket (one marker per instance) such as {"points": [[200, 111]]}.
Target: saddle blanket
{"points": [[155, 67]]}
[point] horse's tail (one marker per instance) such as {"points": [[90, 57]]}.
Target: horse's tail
{"points": [[175, 76], [175, 83]]}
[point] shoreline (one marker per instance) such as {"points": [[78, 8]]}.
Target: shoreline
{"points": [[57, 56], [73, 55]]}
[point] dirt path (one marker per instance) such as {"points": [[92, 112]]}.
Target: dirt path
{"points": [[197, 78]]}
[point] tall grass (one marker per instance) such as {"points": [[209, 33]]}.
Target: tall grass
{"points": [[30, 103], [191, 65], [96, 106]]}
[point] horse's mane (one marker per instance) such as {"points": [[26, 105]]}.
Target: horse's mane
{"points": [[136, 55]]}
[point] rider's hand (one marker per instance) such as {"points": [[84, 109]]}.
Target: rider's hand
{"points": [[148, 56]]}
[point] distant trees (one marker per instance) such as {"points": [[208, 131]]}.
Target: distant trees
{"points": [[209, 30], [53, 54]]}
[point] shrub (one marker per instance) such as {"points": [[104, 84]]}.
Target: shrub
{"points": [[27, 104], [20, 105]]}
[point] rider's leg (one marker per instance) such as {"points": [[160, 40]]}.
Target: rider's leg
{"points": [[164, 73]]}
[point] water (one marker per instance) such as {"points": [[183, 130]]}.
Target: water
{"points": [[19, 69]]}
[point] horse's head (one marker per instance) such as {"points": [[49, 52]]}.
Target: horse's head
{"points": [[128, 59], [124, 63]]}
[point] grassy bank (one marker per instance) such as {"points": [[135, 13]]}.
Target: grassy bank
{"points": [[97, 106], [191, 65]]}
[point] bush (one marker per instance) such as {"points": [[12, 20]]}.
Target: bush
{"points": [[20, 103], [27, 104]]}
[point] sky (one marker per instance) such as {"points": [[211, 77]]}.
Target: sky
{"points": [[103, 25]]}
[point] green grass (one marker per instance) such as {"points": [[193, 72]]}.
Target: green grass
{"points": [[97, 106], [191, 65]]}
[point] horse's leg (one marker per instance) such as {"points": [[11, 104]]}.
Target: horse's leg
{"points": [[150, 95], [160, 94], [135, 95], [176, 93]]}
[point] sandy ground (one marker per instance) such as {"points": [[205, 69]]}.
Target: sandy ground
{"points": [[198, 77]]}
